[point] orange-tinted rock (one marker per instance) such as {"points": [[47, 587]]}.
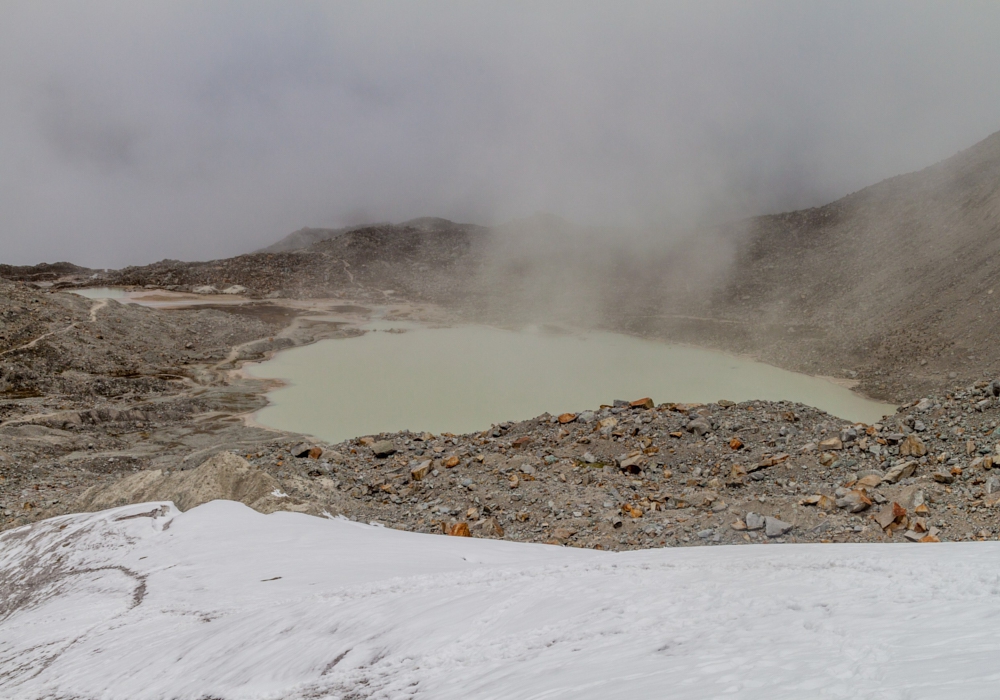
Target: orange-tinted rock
{"points": [[420, 471], [460, 530], [912, 446]]}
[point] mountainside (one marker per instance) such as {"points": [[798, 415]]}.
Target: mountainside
{"points": [[303, 238], [412, 259], [900, 274]]}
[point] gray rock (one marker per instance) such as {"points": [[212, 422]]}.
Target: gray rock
{"points": [[822, 527], [705, 534], [900, 471], [776, 528], [383, 448], [586, 416], [699, 426], [754, 521], [854, 501], [304, 450]]}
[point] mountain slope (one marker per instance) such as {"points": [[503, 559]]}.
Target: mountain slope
{"points": [[303, 238], [901, 273]]}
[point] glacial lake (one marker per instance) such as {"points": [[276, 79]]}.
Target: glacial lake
{"points": [[158, 298], [464, 379]]}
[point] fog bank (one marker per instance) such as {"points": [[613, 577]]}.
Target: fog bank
{"points": [[133, 132]]}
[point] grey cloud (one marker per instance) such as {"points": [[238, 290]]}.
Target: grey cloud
{"points": [[136, 131]]}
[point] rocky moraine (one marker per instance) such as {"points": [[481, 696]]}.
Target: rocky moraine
{"points": [[87, 425]]}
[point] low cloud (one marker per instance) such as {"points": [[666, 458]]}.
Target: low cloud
{"points": [[137, 131]]}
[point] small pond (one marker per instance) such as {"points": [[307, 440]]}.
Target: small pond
{"points": [[159, 298], [100, 292]]}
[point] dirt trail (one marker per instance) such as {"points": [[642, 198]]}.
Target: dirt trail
{"points": [[36, 341], [100, 304]]}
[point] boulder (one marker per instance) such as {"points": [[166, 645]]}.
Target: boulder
{"points": [[421, 470], [305, 450], [699, 426], [833, 443], [912, 446], [632, 465], [488, 527], [460, 530], [900, 471], [383, 448], [889, 514], [869, 481], [854, 501], [224, 476], [754, 521], [776, 528]]}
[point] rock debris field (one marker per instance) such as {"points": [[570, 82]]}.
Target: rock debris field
{"points": [[634, 475]]}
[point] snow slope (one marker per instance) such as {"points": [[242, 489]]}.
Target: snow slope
{"points": [[222, 602]]}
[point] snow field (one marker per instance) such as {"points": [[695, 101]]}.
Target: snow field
{"points": [[227, 603]]}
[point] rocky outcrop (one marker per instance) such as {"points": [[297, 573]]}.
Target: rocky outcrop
{"points": [[224, 476]]}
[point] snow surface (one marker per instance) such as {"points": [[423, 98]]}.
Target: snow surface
{"points": [[223, 602]]}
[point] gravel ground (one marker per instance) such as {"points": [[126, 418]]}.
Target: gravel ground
{"points": [[631, 476]]}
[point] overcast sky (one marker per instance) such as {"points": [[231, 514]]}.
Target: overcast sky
{"points": [[134, 131]]}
